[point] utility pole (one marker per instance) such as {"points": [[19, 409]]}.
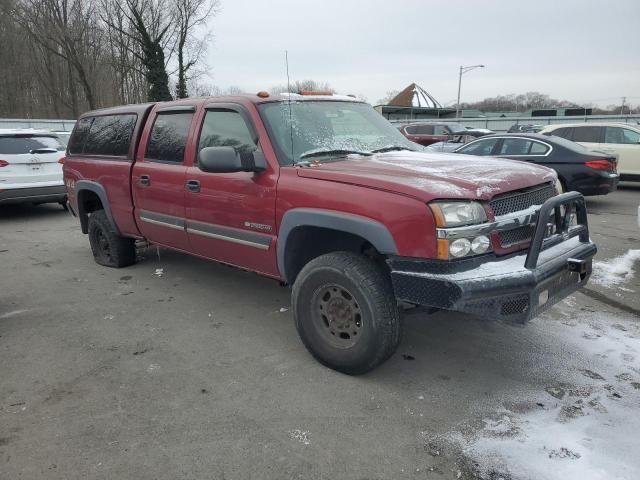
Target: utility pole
{"points": [[624, 99], [463, 70]]}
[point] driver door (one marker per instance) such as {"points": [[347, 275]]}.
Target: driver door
{"points": [[231, 216]]}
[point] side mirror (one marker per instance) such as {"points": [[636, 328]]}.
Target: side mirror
{"points": [[228, 160]]}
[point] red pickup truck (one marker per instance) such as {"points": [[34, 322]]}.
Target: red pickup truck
{"points": [[322, 193]]}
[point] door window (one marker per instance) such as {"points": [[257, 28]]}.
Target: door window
{"points": [[538, 148], [227, 128], [565, 132], [424, 130], [620, 135], [481, 147], [169, 137], [629, 136], [587, 134], [514, 146]]}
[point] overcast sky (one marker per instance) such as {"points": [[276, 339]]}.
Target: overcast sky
{"points": [[587, 51]]}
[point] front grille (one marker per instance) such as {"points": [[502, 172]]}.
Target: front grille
{"points": [[521, 200], [517, 235]]}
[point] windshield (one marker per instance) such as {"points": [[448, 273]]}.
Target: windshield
{"points": [[21, 144], [329, 129]]}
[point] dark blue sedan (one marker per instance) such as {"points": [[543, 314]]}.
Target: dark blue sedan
{"points": [[586, 171]]}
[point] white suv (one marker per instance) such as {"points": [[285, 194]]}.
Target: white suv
{"points": [[619, 138], [31, 167]]}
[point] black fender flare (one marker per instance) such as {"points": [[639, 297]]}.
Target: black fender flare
{"points": [[88, 185], [371, 230]]}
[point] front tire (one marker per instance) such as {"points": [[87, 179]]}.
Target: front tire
{"points": [[346, 313], [109, 248]]}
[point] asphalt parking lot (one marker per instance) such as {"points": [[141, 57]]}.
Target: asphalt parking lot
{"points": [[195, 371]]}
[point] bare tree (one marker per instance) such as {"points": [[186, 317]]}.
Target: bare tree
{"points": [[190, 14], [303, 85], [152, 30], [388, 96], [67, 29]]}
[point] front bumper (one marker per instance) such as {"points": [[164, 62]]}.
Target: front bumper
{"points": [[55, 193], [514, 288]]}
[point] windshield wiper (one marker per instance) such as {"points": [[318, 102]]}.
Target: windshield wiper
{"points": [[317, 153], [391, 148]]}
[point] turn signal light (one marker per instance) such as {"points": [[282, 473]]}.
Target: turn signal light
{"points": [[3, 163], [604, 165]]}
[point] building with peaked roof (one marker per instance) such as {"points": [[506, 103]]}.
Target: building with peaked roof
{"points": [[415, 103]]}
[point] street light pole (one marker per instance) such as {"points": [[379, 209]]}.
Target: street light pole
{"points": [[462, 71]]}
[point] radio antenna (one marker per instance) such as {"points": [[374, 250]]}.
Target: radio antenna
{"points": [[286, 61]]}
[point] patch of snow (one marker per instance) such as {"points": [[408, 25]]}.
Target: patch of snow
{"points": [[301, 436], [613, 272], [12, 314], [283, 309], [109, 316], [487, 190], [159, 272], [583, 428]]}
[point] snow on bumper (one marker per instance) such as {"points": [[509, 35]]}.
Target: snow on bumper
{"points": [[516, 288]]}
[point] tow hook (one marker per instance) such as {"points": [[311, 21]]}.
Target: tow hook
{"points": [[577, 265]]}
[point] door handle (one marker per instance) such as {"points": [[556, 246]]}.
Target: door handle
{"points": [[145, 180], [193, 185]]}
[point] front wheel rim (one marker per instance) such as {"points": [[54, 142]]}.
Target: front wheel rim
{"points": [[337, 316]]}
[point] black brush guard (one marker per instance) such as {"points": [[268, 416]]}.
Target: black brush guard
{"points": [[514, 288]]}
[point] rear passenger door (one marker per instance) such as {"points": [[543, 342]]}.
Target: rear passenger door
{"points": [[158, 178]]}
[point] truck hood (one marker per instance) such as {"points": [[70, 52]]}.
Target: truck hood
{"points": [[430, 176]]}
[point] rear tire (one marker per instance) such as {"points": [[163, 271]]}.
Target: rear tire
{"points": [[346, 313], [109, 248]]}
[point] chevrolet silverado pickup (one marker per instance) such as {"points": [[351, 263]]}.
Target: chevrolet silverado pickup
{"points": [[321, 193]]}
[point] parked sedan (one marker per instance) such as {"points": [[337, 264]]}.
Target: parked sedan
{"points": [[455, 141], [525, 128], [31, 167], [426, 133], [578, 168]]}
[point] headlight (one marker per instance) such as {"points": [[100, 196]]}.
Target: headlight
{"points": [[456, 214]]}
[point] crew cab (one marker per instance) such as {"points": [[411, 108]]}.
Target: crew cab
{"points": [[320, 192]]}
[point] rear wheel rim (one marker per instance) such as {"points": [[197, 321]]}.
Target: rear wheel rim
{"points": [[337, 316], [103, 243]]}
